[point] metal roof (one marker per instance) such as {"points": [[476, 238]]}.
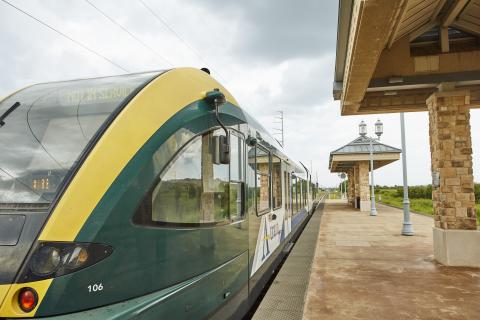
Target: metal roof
{"points": [[362, 145]]}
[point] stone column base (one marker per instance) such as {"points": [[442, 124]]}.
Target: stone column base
{"points": [[365, 205], [457, 247]]}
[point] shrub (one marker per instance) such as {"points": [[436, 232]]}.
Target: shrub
{"points": [[477, 192], [416, 192], [425, 192]]}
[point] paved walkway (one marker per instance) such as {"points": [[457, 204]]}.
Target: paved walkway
{"points": [[364, 269]]}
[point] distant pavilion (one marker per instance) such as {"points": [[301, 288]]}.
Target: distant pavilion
{"points": [[354, 159]]}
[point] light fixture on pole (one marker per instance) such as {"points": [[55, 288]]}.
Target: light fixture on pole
{"points": [[362, 127]]}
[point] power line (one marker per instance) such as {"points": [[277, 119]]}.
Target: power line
{"points": [[66, 36], [171, 30], [163, 22], [129, 33]]}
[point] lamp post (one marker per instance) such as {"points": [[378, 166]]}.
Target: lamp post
{"points": [[407, 229], [363, 132]]}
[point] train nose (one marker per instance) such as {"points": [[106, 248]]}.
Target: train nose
{"points": [[18, 231], [11, 226]]}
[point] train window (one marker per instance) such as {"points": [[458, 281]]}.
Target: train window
{"points": [[262, 162], [294, 194], [277, 182], [194, 191], [237, 165], [46, 134], [287, 192], [236, 158], [235, 197], [301, 191], [250, 180], [304, 189]]}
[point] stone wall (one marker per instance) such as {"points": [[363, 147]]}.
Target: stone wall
{"points": [[351, 188], [357, 184], [364, 185]]}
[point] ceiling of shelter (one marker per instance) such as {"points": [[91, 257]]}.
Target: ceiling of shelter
{"points": [[420, 16], [391, 55]]}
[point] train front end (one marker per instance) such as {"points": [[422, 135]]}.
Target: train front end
{"points": [[46, 133], [82, 233], [77, 160]]}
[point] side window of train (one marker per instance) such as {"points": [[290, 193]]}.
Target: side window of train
{"points": [[276, 182], [300, 193], [288, 191], [250, 179], [192, 190], [237, 176], [294, 194], [262, 181]]}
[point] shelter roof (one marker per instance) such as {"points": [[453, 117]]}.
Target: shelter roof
{"points": [[392, 55]]}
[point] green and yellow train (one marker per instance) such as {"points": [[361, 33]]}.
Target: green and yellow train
{"points": [[140, 196]]}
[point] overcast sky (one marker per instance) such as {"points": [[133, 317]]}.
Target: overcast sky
{"points": [[271, 54]]}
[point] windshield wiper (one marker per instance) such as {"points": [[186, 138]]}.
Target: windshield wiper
{"points": [[6, 113]]}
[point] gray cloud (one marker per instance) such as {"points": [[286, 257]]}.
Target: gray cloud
{"points": [[271, 54], [272, 31]]}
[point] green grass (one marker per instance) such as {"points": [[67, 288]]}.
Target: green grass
{"points": [[390, 197], [334, 195]]}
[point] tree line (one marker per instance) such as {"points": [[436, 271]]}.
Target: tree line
{"points": [[423, 192]]}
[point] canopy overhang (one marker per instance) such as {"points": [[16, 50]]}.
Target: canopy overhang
{"points": [[344, 162], [392, 55]]}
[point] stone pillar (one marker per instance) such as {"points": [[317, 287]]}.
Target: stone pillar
{"points": [[351, 188], [456, 239], [364, 184], [357, 186]]}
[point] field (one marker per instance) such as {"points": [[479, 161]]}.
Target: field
{"points": [[421, 205]]}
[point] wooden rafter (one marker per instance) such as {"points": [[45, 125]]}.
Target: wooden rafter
{"points": [[453, 13], [398, 19]]}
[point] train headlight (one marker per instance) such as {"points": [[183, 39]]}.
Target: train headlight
{"points": [[75, 257], [53, 259], [45, 261]]}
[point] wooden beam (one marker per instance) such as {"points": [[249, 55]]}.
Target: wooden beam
{"points": [[369, 33], [426, 27], [439, 7], [398, 19], [468, 27], [453, 13], [444, 40]]}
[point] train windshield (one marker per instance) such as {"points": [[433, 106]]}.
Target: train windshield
{"points": [[44, 129]]}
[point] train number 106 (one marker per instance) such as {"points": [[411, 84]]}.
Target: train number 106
{"points": [[95, 287]]}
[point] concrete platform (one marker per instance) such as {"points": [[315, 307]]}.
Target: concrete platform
{"points": [[364, 269]]}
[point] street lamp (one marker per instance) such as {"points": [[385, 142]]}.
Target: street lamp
{"points": [[407, 229], [362, 127]]}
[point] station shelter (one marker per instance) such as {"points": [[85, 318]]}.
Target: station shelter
{"points": [[413, 56], [354, 160]]}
